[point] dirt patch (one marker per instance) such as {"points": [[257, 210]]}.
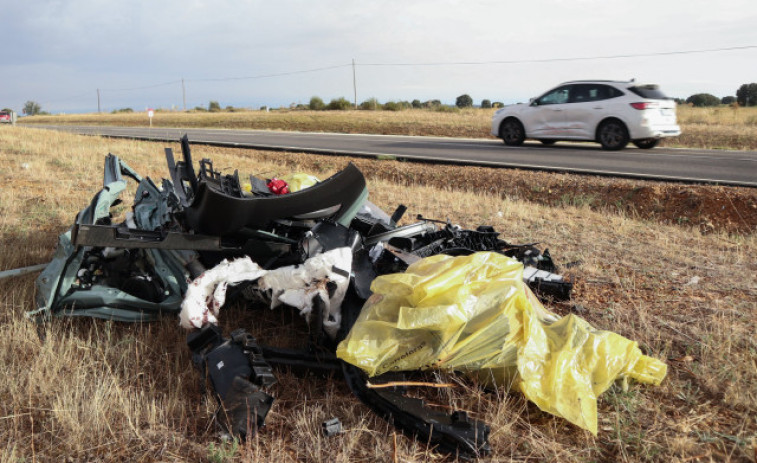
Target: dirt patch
{"points": [[706, 207]]}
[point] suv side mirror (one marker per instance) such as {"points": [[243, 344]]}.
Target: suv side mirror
{"points": [[533, 102]]}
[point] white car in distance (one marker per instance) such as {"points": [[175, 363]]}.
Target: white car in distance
{"points": [[611, 113]]}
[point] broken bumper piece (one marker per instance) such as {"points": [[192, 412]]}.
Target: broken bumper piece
{"points": [[237, 372], [238, 368], [452, 433]]}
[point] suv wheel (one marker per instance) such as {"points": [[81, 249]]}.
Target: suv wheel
{"points": [[612, 134], [646, 143], [511, 132]]}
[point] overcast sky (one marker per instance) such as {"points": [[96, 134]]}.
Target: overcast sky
{"points": [[58, 53]]}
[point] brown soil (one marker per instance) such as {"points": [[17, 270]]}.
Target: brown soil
{"points": [[706, 207]]}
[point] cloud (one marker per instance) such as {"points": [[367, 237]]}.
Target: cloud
{"points": [[63, 48]]}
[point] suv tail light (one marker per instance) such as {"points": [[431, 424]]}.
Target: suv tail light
{"points": [[644, 105]]}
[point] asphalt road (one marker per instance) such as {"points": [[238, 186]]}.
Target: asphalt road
{"points": [[738, 168]]}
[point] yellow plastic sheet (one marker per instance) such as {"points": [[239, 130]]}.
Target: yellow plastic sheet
{"points": [[475, 314], [299, 181]]}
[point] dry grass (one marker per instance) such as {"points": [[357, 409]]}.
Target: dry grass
{"points": [[99, 391], [723, 127], [459, 123], [707, 128]]}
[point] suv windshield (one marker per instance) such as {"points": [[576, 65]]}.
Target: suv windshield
{"points": [[651, 92]]}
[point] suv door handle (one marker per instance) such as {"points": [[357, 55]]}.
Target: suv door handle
{"points": [[598, 107]]}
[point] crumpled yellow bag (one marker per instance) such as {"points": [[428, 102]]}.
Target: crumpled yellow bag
{"points": [[299, 181], [475, 314]]}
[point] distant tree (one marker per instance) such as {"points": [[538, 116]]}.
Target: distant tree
{"points": [[432, 104], [392, 106], [213, 106], [728, 100], [6, 110], [679, 101], [486, 104], [416, 104], [746, 95], [317, 104], [32, 108], [122, 110], [498, 104], [339, 104], [464, 101], [703, 99], [200, 108], [371, 104]]}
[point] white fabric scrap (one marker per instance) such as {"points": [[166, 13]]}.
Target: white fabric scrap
{"points": [[207, 293], [295, 285]]}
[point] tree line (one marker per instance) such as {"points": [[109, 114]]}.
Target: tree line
{"points": [[463, 101], [746, 95]]}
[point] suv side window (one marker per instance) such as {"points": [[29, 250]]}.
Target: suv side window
{"points": [[559, 95], [605, 92], [582, 93]]}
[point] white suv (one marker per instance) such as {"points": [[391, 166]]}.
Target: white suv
{"points": [[608, 112]]}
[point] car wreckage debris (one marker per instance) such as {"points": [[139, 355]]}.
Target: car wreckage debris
{"points": [[331, 427], [237, 371], [181, 230], [21, 271]]}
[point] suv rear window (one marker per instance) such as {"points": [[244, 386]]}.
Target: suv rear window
{"points": [[651, 92]]}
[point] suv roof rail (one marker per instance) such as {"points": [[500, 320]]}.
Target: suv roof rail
{"points": [[597, 80]]}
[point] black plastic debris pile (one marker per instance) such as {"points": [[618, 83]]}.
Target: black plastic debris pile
{"points": [[139, 269]]}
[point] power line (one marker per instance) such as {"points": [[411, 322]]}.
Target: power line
{"points": [[141, 88], [68, 98], [263, 76], [217, 79], [550, 60], [449, 63]]}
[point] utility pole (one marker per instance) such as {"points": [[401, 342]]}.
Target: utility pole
{"points": [[98, 100], [354, 82], [184, 94]]}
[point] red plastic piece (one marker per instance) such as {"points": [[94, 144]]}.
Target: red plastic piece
{"points": [[278, 186]]}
